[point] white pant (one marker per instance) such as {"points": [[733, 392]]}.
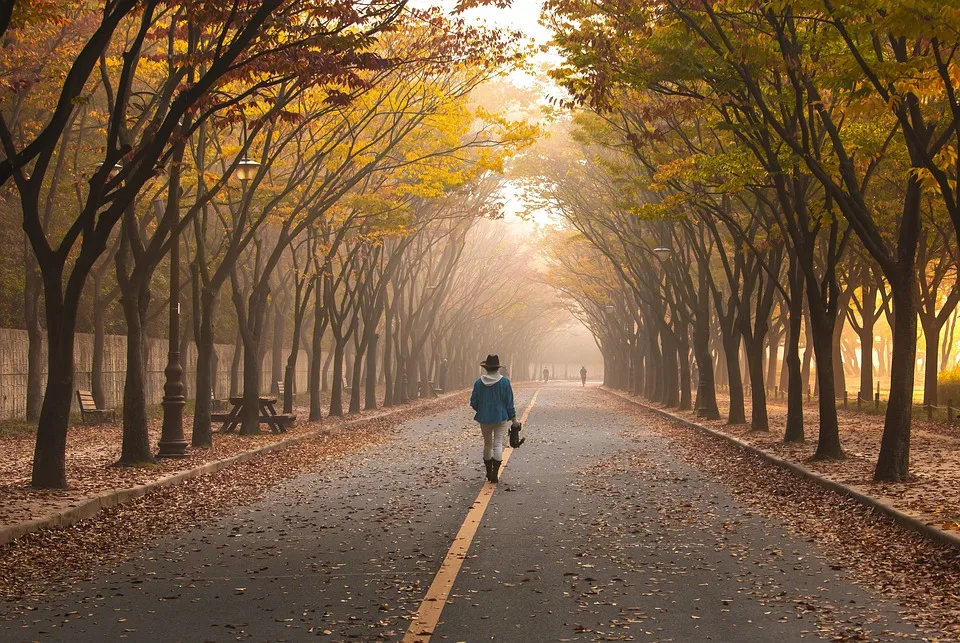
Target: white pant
{"points": [[493, 435]]}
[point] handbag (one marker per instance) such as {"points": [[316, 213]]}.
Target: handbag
{"points": [[515, 439]]}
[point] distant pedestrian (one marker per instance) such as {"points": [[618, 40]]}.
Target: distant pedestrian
{"points": [[583, 375], [546, 374], [492, 399], [442, 375]]}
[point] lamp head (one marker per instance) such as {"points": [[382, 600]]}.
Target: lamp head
{"points": [[247, 169]]}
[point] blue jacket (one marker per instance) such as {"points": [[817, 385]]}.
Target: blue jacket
{"points": [[493, 404]]}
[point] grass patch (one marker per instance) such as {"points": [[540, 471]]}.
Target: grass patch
{"points": [[17, 428], [939, 413]]}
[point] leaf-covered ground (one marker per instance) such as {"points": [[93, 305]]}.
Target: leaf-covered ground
{"points": [[607, 525], [43, 563], [874, 551], [932, 495], [92, 452], [624, 508]]}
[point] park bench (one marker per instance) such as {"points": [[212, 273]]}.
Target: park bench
{"points": [[436, 391], [287, 419], [89, 412]]}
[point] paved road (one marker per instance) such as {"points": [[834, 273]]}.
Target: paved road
{"points": [[595, 533]]}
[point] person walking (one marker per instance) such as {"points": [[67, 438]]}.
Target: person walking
{"points": [[442, 375], [583, 376], [492, 399], [546, 374]]}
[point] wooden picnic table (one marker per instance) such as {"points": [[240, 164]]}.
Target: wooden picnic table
{"points": [[268, 415]]}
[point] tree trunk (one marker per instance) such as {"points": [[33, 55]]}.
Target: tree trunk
{"points": [[883, 366], [348, 364], [357, 380], [425, 391], [807, 357], [706, 405], [839, 376], [682, 343], [32, 291], [931, 360], [794, 431], [49, 457], [639, 369], [654, 382], [205, 383], [262, 350], [289, 378], [731, 350], [388, 383], [828, 440], [136, 438], [399, 384], [325, 373], [758, 398], [868, 324], [315, 383], [606, 368], [290, 371], [720, 363], [773, 361], [893, 464], [784, 371], [336, 391], [252, 329], [947, 345], [184, 347], [252, 365], [370, 402], [791, 358]]}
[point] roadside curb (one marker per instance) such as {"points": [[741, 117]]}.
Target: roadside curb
{"points": [[90, 506], [904, 519]]}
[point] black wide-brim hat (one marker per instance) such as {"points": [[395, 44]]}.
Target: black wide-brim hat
{"points": [[492, 362]]}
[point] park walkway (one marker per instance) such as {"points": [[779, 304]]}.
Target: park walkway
{"points": [[598, 531]]}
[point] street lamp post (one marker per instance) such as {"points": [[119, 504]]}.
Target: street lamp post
{"points": [[172, 442], [246, 170]]}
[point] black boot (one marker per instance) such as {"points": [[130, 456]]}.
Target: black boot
{"points": [[488, 464], [494, 471]]}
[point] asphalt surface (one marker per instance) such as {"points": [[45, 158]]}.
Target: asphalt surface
{"points": [[595, 533]]}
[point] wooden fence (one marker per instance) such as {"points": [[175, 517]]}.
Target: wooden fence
{"points": [[13, 370]]}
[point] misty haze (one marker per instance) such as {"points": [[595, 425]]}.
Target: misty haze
{"points": [[471, 320]]}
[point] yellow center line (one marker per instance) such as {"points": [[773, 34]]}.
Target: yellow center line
{"points": [[428, 616]]}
